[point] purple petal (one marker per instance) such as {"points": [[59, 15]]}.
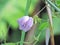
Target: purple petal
{"points": [[29, 24], [25, 23], [22, 20]]}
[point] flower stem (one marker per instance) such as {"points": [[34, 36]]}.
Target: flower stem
{"points": [[22, 38], [27, 7], [26, 13]]}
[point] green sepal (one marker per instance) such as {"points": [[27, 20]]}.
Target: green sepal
{"points": [[36, 19]]}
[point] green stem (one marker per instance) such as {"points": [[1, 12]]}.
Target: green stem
{"points": [[58, 9], [26, 13], [37, 38], [50, 23], [22, 38], [27, 7]]}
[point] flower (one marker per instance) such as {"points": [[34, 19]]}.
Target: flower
{"points": [[25, 23]]}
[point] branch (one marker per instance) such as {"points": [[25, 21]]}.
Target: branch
{"points": [[58, 9], [51, 25], [30, 34]]}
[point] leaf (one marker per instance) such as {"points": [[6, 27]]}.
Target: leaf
{"points": [[3, 30], [57, 3], [56, 25], [43, 26], [3, 3], [56, 28], [13, 10]]}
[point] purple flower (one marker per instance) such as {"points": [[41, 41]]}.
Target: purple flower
{"points": [[25, 23]]}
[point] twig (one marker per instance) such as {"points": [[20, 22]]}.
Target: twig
{"points": [[41, 10], [29, 36], [51, 25], [58, 9], [37, 38]]}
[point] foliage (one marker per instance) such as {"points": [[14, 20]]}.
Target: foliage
{"points": [[12, 10]]}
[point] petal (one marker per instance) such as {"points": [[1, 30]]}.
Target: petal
{"points": [[25, 23], [22, 20], [29, 24]]}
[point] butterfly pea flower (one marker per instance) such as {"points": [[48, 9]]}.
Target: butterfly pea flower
{"points": [[25, 23]]}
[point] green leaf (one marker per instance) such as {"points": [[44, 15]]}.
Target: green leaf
{"points": [[3, 3], [13, 10], [56, 28], [43, 26], [56, 25], [3, 30], [57, 3]]}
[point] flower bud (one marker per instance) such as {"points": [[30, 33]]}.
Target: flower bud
{"points": [[25, 23]]}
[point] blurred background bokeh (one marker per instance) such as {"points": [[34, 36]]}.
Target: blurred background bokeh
{"points": [[12, 10]]}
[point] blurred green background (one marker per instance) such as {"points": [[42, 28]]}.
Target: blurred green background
{"points": [[12, 10]]}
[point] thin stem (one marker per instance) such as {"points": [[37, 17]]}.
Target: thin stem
{"points": [[50, 22], [24, 42], [35, 42], [41, 10], [26, 13], [58, 9], [37, 38], [27, 7], [22, 37]]}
